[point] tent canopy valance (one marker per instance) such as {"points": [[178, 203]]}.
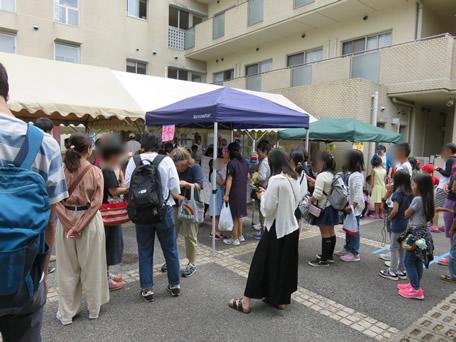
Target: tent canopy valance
{"points": [[67, 92], [335, 130]]}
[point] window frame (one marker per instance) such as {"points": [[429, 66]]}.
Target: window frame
{"points": [[304, 53], [11, 34], [137, 16], [190, 74], [136, 61], [366, 38], [56, 19], [249, 24], [14, 7], [295, 6], [213, 25], [223, 73], [258, 64], [73, 45]]}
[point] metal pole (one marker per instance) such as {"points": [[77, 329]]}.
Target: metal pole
{"points": [[307, 139], [214, 184], [232, 136], [374, 120]]}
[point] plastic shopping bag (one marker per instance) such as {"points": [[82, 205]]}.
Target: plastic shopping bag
{"points": [[351, 226], [226, 220], [191, 210]]}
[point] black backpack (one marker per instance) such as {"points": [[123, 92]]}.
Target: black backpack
{"points": [[145, 198]]}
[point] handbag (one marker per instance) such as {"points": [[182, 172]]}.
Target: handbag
{"points": [[191, 210], [350, 225], [114, 213], [226, 220]]}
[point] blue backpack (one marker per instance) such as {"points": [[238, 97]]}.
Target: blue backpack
{"points": [[24, 216]]}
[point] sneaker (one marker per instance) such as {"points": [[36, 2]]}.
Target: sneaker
{"points": [[329, 261], [402, 275], [412, 293], [147, 295], [114, 285], [434, 229], [442, 229], [164, 268], [318, 263], [189, 270], [443, 262], [257, 226], [404, 286], [387, 263], [174, 290], [385, 256], [232, 242], [241, 238], [217, 237], [388, 274], [340, 253], [61, 320], [116, 277], [51, 269], [350, 257], [258, 234]]}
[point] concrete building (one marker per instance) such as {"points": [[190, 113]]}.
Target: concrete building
{"points": [[329, 56]]}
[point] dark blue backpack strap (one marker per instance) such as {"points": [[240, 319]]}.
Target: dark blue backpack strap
{"points": [[30, 147]]}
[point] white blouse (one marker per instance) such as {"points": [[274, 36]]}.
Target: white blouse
{"points": [[279, 203]]}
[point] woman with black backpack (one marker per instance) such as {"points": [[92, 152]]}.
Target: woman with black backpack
{"points": [[325, 216]]}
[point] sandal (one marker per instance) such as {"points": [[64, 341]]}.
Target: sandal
{"points": [[275, 306], [447, 277], [236, 304]]}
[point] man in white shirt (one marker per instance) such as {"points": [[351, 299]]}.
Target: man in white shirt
{"points": [[401, 155], [166, 231], [264, 173]]}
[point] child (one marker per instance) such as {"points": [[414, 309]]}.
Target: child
{"points": [[401, 155], [354, 165], [220, 180], [378, 186], [417, 241], [402, 197]]}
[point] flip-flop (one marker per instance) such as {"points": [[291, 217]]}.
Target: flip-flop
{"points": [[236, 304], [447, 277]]}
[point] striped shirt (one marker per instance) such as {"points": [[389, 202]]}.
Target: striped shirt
{"points": [[48, 162]]}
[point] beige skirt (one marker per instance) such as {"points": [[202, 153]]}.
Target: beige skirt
{"points": [[81, 267]]}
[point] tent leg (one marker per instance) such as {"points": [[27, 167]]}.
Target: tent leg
{"points": [[307, 141], [214, 184], [231, 136]]}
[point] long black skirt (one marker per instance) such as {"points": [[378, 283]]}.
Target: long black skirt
{"points": [[273, 273], [114, 244]]}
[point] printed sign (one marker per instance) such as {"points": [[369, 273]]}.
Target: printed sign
{"points": [[168, 132]]}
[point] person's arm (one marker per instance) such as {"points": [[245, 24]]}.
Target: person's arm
{"points": [[128, 172], [219, 180], [229, 182], [94, 206], [49, 235], [318, 193], [372, 178], [117, 191], [357, 188], [415, 206], [270, 199], [262, 172], [394, 211], [447, 171]]}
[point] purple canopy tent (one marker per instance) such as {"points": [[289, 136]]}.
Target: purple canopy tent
{"points": [[230, 108]]}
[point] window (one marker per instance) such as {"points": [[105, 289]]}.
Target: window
{"points": [[223, 76], [136, 67], [301, 73], [66, 12], [300, 3], [255, 12], [367, 43], [218, 26], [7, 42], [253, 74], [8, 5], [137, 8], [67, 52], [179, 18], [184, 75], [197, 20]]}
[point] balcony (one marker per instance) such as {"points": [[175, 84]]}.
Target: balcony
{"points": [[243, 26], [423, 65], [181, 39]]}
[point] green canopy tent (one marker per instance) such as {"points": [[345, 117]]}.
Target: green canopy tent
{"points": [[333, 130]]}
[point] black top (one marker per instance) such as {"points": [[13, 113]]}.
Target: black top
{"points": [[110, 181], [193, 174]]}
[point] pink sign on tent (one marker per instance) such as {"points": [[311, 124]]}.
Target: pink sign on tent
{"points": [[168, 132]]}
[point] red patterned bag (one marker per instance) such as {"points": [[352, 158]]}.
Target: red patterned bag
{"points": [[114, 213]]}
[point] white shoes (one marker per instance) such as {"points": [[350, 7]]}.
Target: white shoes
{"points": [[241, 238], [61, 320], [232, 242]]}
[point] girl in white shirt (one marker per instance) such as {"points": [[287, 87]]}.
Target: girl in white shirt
{"points": [[329, 217], [273, 272]]}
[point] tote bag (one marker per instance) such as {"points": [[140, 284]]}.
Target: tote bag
{"points": [[114, 213], [350, 225], [191, 210]]}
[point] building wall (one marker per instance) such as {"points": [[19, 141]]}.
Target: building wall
{"points": [[400, 22], [107, 35]]}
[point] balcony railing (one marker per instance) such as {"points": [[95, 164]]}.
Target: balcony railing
{"points": [[424, 64], [181, 39]]}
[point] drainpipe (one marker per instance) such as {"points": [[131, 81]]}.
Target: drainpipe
{"points": [[419, 19], [374, 119]]}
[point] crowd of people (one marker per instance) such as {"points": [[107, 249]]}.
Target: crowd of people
{"points": [[150, 181]]}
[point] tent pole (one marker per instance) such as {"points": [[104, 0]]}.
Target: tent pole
{"points": [[214, 183], [232, 136], [307, 140]]}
